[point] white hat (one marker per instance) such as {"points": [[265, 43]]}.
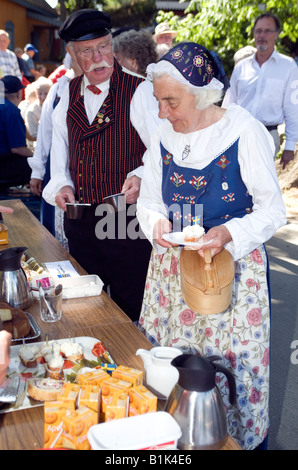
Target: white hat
{"points": [[164, 28]]}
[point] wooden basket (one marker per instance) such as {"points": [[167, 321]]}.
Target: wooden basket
{"points": [[207, 283]]}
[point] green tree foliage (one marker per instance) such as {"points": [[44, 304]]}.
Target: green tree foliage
{"points": [[226, 25]]}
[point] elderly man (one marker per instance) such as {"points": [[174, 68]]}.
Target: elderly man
{"points": [[94, 150], [163, 34], [8, 60], [266, 85]]}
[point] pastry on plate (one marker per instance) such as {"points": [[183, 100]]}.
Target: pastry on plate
{"points": [[45, 389], [72, 351], [193, 233], [54, 366], [28, 354], [50, 347]]}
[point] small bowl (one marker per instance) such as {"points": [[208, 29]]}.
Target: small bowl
{"points": [[75, 210], [115, 202]]}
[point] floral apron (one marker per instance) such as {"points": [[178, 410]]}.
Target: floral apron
{"points": [[240, 335]]}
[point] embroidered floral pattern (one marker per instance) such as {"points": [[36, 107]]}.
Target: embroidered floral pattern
{"points": [[223, 162], [167, 158], [198, 182], [240, 335], [229, 197], [193, 60], [177, 180]]}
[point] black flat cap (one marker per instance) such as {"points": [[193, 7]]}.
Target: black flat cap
{"points": [[85, 24], [12, 84]]}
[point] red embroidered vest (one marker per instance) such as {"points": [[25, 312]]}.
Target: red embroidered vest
{"points": [[103, 153]]}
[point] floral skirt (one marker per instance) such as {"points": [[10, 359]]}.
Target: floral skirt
{"points": [[240, 335]]}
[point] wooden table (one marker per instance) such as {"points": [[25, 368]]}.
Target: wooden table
{"points": [[96, 316]]}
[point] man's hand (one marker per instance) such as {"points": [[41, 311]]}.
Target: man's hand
{"points": [[286, 158], [65, 195], [36, 186], [131, 189]]}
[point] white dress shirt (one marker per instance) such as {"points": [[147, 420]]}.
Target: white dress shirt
{"points": [[255, 154], [269, 92]]}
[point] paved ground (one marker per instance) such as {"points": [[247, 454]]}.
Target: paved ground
{"points": [[283, 255]]}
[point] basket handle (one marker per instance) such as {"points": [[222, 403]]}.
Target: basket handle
{"points": [[207, 267]]}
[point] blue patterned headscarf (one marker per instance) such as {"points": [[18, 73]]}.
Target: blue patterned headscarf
{"points": [[198, 66]]}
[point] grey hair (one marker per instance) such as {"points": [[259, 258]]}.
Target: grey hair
{"points": [[204, 96]]}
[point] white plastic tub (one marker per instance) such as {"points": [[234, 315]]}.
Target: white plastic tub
{"points": [[156, 430], [81, 286]]}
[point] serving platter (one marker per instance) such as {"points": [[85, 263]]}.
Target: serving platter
{"points": [[95, 355]]}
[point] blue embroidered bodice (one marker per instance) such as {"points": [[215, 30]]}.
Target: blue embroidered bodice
{"points": [[216, 193]]}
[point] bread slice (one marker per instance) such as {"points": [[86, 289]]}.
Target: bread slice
{"points": [[45, 389], [5, 312]]}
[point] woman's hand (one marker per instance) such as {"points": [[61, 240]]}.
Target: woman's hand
{"points": [[220, 236], [161, 227]]}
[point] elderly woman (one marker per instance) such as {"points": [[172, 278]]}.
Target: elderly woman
{"points": [[134, 50], [221, 159]]}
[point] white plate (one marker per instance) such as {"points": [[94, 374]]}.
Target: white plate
{"points": [[178, 238]]}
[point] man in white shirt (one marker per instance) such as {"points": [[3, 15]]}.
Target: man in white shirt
{"points": [[8, 60], [266, 85]]}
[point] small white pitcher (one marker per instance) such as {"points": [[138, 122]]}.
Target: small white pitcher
{"points": [[160, 375]]}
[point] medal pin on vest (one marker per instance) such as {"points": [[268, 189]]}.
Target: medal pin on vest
{"points": [[207, 283]]}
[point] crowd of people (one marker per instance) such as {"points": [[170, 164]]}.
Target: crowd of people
{"points": [[157, 124]]}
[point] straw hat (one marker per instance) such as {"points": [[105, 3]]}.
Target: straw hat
{"points": [[164, 28]]}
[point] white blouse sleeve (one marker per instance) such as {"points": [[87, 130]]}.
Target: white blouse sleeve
{"points": [[150, 206], [259, 175], [60, 174]]}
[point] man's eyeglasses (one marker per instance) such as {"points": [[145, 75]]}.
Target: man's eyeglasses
{"points": [[89, 53], [257, 32]]}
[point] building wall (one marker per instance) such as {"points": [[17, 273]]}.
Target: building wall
{"points": [[17, 15], [28, 30]]}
